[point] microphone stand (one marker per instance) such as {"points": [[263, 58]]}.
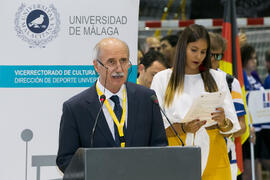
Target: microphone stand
{"points": [[102, 100], [155, 100]]}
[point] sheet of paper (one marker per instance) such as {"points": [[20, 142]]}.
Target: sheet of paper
{"points": [[203, 106]]}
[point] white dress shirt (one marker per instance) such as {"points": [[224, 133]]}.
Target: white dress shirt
{"points": [[106, 112], [193, 87]]}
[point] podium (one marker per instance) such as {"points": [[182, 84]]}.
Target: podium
{"points": [[135, 163]]}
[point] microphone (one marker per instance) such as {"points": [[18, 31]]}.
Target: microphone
{"points": [[155, 101], [102, 99]]}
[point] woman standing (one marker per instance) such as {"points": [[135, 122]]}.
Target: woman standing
{"points": [[177, 88], [253, 82]]}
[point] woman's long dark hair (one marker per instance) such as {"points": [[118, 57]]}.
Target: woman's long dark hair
{"points": [[176, 84]]}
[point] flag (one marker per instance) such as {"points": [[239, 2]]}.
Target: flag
{"points": [[232, 65]]}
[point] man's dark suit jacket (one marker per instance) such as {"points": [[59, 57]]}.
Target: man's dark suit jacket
{"points": [[144, 124]]}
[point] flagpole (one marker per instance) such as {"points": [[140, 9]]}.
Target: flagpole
{"points": [[252, 160]]}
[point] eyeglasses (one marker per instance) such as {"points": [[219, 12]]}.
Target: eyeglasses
{"points": [[217, 57], [112, 63]]}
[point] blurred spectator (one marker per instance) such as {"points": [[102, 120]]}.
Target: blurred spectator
{"points": [[168, 46], [151, 63], [267, 65], [249, 63], [253, 82], [152, 43], [266, 132]]}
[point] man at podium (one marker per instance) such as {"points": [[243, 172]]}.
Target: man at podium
{"points": [[127, 117]]}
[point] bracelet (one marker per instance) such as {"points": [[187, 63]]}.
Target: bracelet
{"points": [[227, 124], [182, 127]]}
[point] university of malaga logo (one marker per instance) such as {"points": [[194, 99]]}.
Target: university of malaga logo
{"points": [[37, 24]]}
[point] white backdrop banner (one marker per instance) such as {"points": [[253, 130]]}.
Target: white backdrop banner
{"points": [[259, 106], [46, 57]]}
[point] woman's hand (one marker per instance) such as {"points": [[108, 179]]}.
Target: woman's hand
{"points": [[224, 124], [219, 116], [193, 126]]}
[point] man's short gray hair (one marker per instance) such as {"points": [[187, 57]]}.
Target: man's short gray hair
{"points": [[96, 50]]}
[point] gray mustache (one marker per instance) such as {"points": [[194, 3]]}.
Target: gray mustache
{"points": [[118, 74]]}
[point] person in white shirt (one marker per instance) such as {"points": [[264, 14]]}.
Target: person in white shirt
{"points": [[176, 90]]}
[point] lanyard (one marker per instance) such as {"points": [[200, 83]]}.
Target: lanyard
{"points": [[120, 125]]}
